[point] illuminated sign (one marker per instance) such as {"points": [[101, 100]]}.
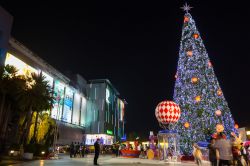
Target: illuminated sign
{"points": [[104, 139], [68, 105], [23, 68], [58, 102], [107, 95], [110, 132]]}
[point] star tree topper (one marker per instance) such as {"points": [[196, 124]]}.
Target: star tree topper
{"points": [[186, 8]]}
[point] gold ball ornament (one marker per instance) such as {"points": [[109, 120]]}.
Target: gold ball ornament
{"points": [[186, 19], [186, 125], [194, 80], [189, 53], [209, 64], [219, 92], [219, 128], [196, 36], [176, 76], [198, 98], [218, 112]]}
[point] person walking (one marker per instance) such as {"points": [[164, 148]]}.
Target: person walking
{"points": [[197, 154], [212, 153], [97, 151]]}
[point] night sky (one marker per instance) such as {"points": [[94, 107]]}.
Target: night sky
{"points": [[135, 45]]}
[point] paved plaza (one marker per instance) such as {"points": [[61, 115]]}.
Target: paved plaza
{"points": [[103, 161]]}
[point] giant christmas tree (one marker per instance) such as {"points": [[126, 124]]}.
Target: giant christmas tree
{"points": [[197, 91]]}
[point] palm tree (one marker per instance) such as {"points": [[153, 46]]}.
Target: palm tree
{"points": [[10, 85], [36, 98]]}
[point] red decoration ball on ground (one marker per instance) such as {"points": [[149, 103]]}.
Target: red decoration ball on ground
{"points": [[167, 112]]}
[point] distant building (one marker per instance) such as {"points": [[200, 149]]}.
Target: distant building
{"points": [[105, 112]]}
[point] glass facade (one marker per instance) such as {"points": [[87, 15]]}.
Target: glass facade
{"points": [[68, 106], [59, 89], [102, 113]]}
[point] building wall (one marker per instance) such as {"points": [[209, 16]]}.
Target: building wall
{"points": [[5, 29], [69, 104], [105, 110]]}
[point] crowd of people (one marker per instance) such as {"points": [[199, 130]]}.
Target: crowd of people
{"points": [[77, 150], [224, 152]]}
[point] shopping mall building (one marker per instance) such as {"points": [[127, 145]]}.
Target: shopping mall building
{"points": [[84, 110]]}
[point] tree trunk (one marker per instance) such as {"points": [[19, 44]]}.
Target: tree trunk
{"points": [[28, 124], [5, 125], [35, 128]]}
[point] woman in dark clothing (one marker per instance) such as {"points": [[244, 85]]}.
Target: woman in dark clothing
{"points": [[212, 153]]}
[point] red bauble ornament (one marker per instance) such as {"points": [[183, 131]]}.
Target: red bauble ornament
{"points": [[167, 112], [218, 112], [186, 19], [196, 36]]}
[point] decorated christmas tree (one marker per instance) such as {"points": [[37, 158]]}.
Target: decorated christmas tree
{"points": [[197, 91]]}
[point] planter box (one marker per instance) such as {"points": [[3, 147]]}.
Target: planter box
{"points": [[28, 156]]}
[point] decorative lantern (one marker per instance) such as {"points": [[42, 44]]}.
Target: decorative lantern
{"points": [[219, 92], [219, 128], [194, 80], [218, 112], [196, 36], [236, 126], [189, 53], [167, 112], [209, 64], [198, 98], [186, 125], [186, 19]]}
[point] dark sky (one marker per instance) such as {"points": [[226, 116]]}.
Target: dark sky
{"points": [[135, 45]]}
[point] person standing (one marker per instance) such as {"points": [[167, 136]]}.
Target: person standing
{"points": [[212, 153], [97, 150], [71, 150], [197, 154], [225, 151]]}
